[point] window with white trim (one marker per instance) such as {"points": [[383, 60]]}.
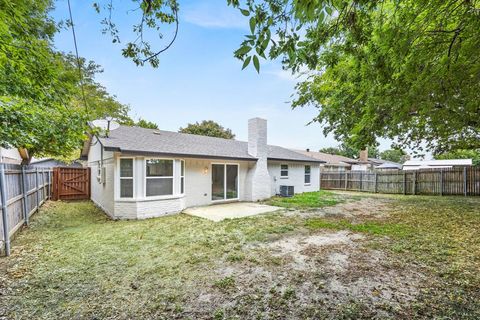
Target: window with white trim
{"points": [[284, 170], [307, 174], [182, 176], [126, 178], [158, 177]]}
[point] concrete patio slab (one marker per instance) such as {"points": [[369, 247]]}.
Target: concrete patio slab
{"points": [[219, 212]]}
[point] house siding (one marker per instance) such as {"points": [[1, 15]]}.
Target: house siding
{"points": [[296, 176], [102, 193], [143, 209], [198, 184]]}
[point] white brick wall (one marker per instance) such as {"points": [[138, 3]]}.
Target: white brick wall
{"points": [[296, 176], [258, 176], [198, 184], [102, 194], [144, 209]]}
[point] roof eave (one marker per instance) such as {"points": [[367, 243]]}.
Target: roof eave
{"points": [[297, 160], [170, 154]]}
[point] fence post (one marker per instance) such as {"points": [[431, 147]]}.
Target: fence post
{"points": [[37, 190], [465, 181], [3, 197], [49, 184], [376, 182], [414, 182], [404, 182], [44, 198], [361, 181], [25, 198], [441, 181], [346, 180]]}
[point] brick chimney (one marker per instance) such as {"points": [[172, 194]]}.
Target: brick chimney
{"points": [[364, 155], [258, 179]]}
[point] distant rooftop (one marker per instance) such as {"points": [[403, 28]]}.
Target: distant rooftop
{"points": [[332, 159]]}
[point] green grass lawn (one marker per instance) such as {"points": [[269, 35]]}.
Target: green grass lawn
{"points": [[73, 262], [306, 200]]}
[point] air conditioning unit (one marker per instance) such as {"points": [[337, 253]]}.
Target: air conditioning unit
{"points": [[102, 172], [286, 191]]}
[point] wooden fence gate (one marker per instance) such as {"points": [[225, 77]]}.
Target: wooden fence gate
{"points": [[71, 183]]}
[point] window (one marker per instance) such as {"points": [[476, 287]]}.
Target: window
{"points": [[307, 174], [182, 176], [284, 171], [126, 178], [159, 177]]}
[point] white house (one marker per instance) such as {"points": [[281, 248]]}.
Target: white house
{"points": [[10, 156], [141, 173], [436, 164]]}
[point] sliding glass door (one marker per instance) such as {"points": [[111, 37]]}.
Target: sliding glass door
{"points": [[224, 181]]}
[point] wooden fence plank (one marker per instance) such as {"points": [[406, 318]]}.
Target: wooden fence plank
{"points": [[22, 198], [452, 181]]}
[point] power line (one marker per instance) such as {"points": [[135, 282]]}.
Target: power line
{"points": [[78, 58]]}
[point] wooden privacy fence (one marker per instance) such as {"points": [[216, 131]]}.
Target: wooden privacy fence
{"points": [[71, 183], [461, 181], [23, 189]]}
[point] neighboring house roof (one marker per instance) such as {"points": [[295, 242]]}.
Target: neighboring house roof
{"points": [[389, 165], [138, 140], [452, 162], [330, 159], [50, 162]]}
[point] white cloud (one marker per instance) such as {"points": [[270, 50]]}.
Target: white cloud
{"points": [[214, 14]]}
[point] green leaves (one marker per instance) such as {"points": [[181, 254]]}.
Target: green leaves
{"points": [[256, 63], [245, 12], [252, 23], [208, 128], [246, 62]]}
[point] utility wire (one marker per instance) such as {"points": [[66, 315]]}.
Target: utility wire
{"points": [[78, 58]]}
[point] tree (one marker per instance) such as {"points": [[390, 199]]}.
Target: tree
{"points": [[208, 128], [346, 150], [461, 154], [146, 124], [394, 155], [36, 87], [331, 150], [93, 96], [393, 69]]}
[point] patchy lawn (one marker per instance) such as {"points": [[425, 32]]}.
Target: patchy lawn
{"points": [[306, 200], [354, 256]]}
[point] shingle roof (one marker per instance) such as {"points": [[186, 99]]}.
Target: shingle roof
{"points": [[152, 141], [328, 158]]}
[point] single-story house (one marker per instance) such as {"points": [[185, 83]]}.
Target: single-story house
{"points": [[333, 162], [388, 166], [10, 156], [436, 164], [141, 173], [51, 163]]}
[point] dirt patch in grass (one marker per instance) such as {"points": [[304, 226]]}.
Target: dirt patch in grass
{"points": [[331, 270]]}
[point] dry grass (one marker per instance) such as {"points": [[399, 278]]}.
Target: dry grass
{"points": [[418, 260]]}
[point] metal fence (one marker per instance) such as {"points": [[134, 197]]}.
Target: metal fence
{"points": [[455, 181], [23, 189]]}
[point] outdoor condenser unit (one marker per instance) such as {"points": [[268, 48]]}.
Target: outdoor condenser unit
{"points": [[286, 191]]}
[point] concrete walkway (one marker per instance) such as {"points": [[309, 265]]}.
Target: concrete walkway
{"points": [[219, 212]]}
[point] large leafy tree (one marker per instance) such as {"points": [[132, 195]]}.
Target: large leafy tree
{"points": [[36, 87], [395, 155], [406, 70], [208, 128]]}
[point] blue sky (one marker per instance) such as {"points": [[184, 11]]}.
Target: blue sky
{"points": [[198, 78]]}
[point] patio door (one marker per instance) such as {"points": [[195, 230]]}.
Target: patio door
{"points": [[224, 182]]}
